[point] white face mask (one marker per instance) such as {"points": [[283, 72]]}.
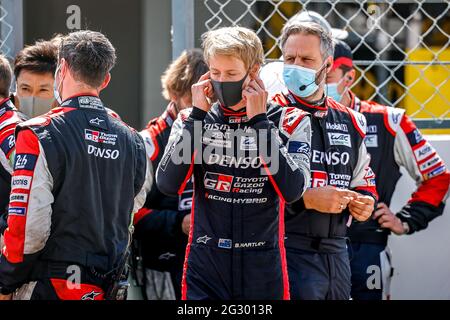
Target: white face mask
{"points": [[34, 106], [332, 90], [56, 87]]}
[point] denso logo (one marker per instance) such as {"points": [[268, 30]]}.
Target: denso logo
{"points": [[103, 153], [218, 182], [331, 158], [229, 161]]}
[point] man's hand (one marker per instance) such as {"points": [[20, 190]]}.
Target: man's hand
{"points": [[387, 219], [361, 207], [6, 296], [201, 91], [255, 96], [328, 199], [186, 224]]}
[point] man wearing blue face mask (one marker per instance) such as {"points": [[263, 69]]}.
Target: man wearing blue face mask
{"points": [[342, 183], [393, 142]]}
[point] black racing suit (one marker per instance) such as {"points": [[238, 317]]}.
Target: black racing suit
{"points": [[394, 141], [79, 175], [318, 262], [9, 118], [236, 242], [161, 241]]}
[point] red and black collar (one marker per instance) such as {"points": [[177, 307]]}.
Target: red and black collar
{"points": [[83, 101], [234, 116], [317, 108], [355, 103], [6, 105]]}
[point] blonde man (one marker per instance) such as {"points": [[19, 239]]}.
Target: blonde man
{"points": [[243, 174]]}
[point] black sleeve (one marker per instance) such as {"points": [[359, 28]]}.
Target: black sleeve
{"points": [[177, 163], [419, 214]]}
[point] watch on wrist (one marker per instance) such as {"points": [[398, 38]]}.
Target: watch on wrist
{"points": [[405, 227]]}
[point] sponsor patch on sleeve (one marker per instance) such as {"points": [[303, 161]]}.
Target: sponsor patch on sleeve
{"points": [[299, 147], [21, 182], [8, 144], [414, 137], [423, 152], [18, 197], [25, 161], [435, 172], [17, 211]]}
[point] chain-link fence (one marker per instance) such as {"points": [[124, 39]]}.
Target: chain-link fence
{"points": [[11, 29], [401, 48]]}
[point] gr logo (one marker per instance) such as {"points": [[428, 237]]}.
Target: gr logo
{"points": [[218, 182]]}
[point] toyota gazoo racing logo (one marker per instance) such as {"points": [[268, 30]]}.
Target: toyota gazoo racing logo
{"points": [[103, 153], [100, 137], [218, 182]]}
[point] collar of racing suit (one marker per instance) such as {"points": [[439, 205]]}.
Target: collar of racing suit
{"points": [[6, 105], [317, 108], [171, 113], [233, 116], [83, 101], [355, 103]]}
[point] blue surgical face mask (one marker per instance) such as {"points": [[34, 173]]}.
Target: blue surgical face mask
{"points": [[57, 87], [301, 81], [332, 90]]}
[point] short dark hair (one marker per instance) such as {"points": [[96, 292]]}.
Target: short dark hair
{"points": [[42, 57], [5, 76], [89, 55]]}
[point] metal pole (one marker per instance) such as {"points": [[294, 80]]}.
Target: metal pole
{"points": [[182, 26], [11, 27]]}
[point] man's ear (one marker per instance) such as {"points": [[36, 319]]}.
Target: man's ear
{"points": [[329, 64], [254, 70], [105, 82], [63, 68], [350, 78]]}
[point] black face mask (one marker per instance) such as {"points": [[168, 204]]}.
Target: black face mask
{"points": [[229, 93]]}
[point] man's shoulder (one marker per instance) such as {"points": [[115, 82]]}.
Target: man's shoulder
{"points": [[45, 119], [391, 117], [287, 118]]}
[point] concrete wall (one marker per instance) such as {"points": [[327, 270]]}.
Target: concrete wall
{"points": [[422, 260], [120, 21]]}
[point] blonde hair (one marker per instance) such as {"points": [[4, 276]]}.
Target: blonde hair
{"points": [[239, 42], [183, 73]]}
